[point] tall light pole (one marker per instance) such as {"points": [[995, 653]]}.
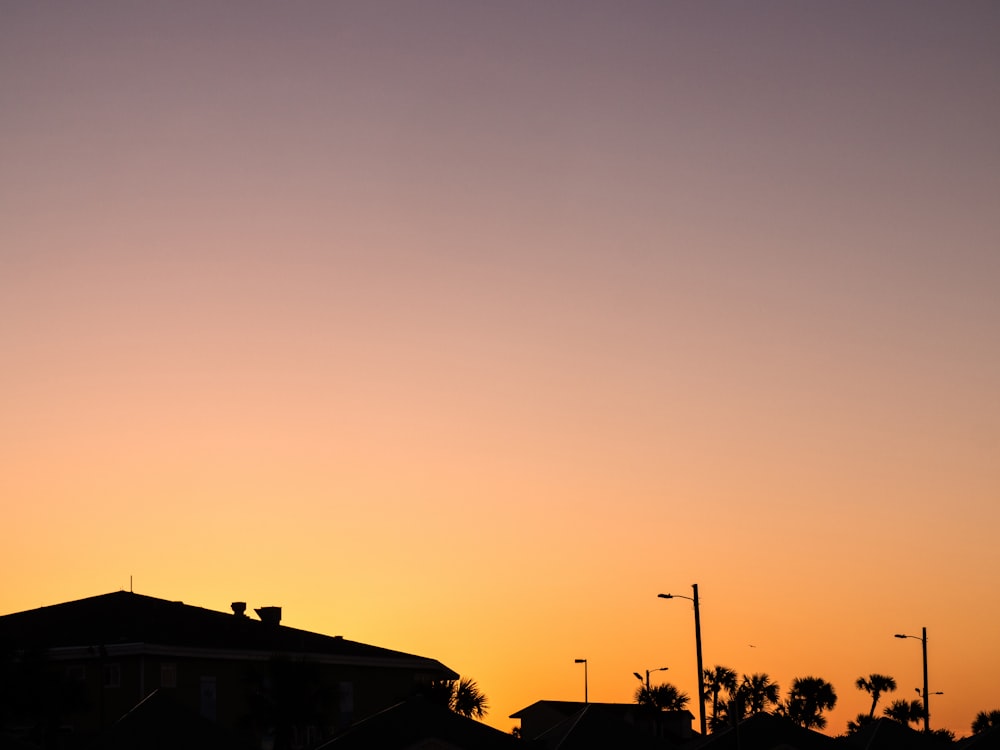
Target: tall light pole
{"points": [[586, 697], [926, 694], [639, 676], [697, 643]]}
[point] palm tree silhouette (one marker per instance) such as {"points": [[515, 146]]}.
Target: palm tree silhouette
{"points": [[757, 692], [754, 694], [861, 720], [808, 698], [985, 720], [665, 697], [469, 700], [905, 712], [462, 696], [875, 685], [714, 681]]}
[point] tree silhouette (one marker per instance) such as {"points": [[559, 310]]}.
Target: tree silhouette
{"points": [[714, 681], [665, 697], [757, 692], [462, 696], [861, 720], [905, 712], [985, 720], [469, 701], [875, 685], [807, 699], [754, 694]]}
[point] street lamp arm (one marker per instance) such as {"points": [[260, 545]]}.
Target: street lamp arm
{"points": [[648, 672], [674, 596]]}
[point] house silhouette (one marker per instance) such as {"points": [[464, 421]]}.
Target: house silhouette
{"points": [[569, 725], [93, 660], [419, 723]]}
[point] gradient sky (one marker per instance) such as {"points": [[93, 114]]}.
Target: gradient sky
{"points": [[467, 328]]}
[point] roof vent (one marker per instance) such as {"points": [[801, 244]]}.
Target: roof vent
{"points": [[239, 609], [269, 615]]}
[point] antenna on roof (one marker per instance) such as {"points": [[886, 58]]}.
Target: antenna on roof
{"points": [[130, 584]]}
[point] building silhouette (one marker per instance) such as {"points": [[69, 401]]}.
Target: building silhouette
{"points": [[74, 669]]}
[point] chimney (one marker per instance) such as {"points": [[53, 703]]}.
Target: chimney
{"points": [[269, 615], [239, 609]]}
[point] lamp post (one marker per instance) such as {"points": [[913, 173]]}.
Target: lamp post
{"points": [[925, 695], [639, 676], [697, 643], [586, 697]]}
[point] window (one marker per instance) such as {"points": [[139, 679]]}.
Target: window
{"points": [[345, 703], [304, 736], [168, 675], [208, 697], [76, 673], [312, 735], [112, 676], [345, 692]]}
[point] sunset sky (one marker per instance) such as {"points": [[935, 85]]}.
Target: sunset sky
{"points": [[467, 328]]}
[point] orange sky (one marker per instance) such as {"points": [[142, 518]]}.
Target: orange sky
{"points": [[466, 330]]}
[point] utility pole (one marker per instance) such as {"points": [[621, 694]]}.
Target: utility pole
{"points": [[586, 686], [697, 645], [927, 695], [697, 640]]}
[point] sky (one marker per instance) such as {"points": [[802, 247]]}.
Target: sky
{"points": [[465, 329]]}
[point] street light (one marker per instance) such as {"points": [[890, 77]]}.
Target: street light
{"points": [[697, 643], [586, 698], [926, 696], [639, 676]]}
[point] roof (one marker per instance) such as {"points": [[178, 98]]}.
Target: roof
{"points": [[124, 619], [596, 726], [418, 722], [572, 725], [765, 731], [887, 734], [568, 708], [986, 740]]}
